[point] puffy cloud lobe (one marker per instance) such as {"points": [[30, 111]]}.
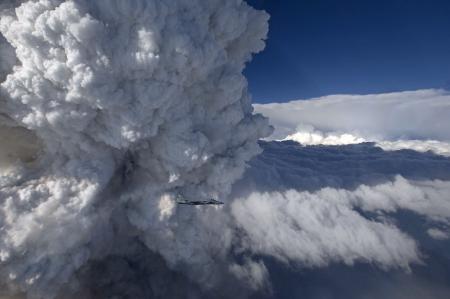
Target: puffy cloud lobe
{"points": [[253, 272], [438, 234], [320, 228], [121, 105]]}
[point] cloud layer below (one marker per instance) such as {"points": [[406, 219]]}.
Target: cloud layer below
{"points": [[316, 204]]}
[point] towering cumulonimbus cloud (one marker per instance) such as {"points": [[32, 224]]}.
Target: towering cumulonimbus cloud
{"points": [[111, 108]]}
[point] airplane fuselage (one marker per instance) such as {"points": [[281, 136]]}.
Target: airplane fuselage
{"points": [[200, 202]]}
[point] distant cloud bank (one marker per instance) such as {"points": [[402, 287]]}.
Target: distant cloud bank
{"points": [[410, 115]]}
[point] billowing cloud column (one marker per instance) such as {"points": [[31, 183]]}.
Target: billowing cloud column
{"points": [[121, 105]]}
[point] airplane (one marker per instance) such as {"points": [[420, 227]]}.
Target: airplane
{"points": [[198, 202]]}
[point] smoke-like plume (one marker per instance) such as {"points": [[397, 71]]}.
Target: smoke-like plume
{"points": [[110, 109]]}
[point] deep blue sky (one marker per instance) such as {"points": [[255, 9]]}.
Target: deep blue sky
{"points": [[321, 47]]}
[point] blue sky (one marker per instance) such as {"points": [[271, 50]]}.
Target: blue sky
{"points": [[322, 47]]}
